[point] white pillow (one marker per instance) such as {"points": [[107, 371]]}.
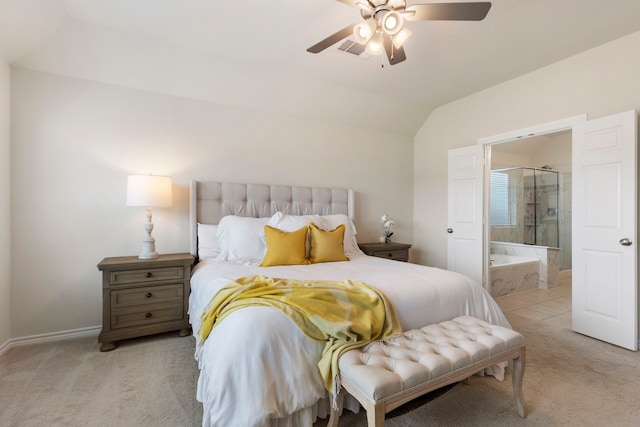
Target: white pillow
{"points": [[208, 245], [241, 240], [286, 222], [350, 242]]}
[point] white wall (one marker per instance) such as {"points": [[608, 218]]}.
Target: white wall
{"points": [[551, 149], [602, 81], [5, 205], [74, 142]]}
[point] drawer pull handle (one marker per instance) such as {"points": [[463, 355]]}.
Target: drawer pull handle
{"points": [[148, 274], [149, 295], [148, 315], [390, 255]]}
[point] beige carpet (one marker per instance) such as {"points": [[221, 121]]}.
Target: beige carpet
{"points": [[144, 382], [570, 380]]}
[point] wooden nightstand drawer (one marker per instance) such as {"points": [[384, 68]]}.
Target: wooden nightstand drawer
{"points": [[394, 251], [400, 255], [144, 315], [148, 295], [147, 275]]}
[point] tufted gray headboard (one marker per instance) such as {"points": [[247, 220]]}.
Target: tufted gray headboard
{"points": [[209, 201]]}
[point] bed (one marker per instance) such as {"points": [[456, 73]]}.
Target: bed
{"points": [[256, 367]]}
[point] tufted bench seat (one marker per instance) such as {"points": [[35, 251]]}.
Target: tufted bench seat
{"points": [[384, 375]]}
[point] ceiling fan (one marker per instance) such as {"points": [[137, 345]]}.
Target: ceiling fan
{"points": [[383, 28]]}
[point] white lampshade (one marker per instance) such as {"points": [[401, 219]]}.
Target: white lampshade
{"points": [[149, 190], [392, 22], [365, 30], [401, 37], [376, 44]]}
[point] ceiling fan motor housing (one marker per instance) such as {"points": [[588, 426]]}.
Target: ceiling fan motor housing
{"points": [[377, 9]]}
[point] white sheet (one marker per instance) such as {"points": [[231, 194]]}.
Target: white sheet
{"points": [[256, 366]]}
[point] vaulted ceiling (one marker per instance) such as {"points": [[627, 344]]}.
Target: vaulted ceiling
{"points": [[252, 53]]}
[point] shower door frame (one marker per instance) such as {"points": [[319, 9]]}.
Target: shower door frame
{"points": [[535, 214]]}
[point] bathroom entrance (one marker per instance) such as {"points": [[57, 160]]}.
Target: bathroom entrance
{"points": [[604, 222], [604, 219], [530, 213]]}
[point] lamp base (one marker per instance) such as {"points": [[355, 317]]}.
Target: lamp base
{"points": [[148, 250]]}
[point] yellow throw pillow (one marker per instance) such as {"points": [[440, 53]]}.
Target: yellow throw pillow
{"points": [[285, 248], [327, 246]]}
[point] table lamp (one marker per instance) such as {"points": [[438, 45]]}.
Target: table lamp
{"points": [[150, 191]]}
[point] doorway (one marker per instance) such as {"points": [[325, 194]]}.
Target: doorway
{"points": [[530, 213], [604, 222]]}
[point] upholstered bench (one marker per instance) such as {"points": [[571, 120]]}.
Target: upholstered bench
{"points": [[386, 374]]}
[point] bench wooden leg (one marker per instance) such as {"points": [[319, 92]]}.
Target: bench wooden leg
{"points": [[375, 414], [518, 375], [333, 418]]}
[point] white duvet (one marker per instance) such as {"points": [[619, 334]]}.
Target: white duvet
{"points": [[258, 369]]}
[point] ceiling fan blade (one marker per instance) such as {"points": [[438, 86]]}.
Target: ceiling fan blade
{"points": [[474, 11], [332, 39], [394, 54]]}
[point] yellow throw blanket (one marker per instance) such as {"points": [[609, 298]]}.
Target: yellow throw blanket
{"points": [[343, 315]]}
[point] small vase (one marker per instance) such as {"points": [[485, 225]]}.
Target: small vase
{"points": [[387, 239]]}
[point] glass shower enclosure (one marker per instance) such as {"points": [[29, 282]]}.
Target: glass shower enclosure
{"points": [[524, 206]]}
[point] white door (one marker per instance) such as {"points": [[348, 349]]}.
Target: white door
{"points": [[604, 243], [464, 213]]}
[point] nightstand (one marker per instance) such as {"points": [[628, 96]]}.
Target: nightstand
{"points": [[394, 251], [144, 296]]}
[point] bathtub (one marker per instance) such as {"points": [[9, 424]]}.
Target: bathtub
{"points": [[498, 260], [510, 274]]}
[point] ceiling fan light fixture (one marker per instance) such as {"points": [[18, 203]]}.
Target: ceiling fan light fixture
{"points": [[401, 37], [364, 31], [392, 22], [375, 46], [382, 28]]}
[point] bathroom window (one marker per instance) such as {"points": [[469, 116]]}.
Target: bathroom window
{"points": [[501, 212]]}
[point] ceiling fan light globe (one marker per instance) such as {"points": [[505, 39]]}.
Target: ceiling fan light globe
{"points": [[364, 31], [401, 37], [392, 22], [375, 46]]}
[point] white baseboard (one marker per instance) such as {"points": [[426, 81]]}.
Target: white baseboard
{"points": [[51, 336], [4, 347]]}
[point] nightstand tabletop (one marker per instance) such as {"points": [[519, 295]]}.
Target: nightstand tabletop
{"points": [[135, 262]]}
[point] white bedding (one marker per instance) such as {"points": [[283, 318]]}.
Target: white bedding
{"points": [[257, 368]]}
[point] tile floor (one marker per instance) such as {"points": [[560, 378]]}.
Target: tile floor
{"points": [[551, 306]]}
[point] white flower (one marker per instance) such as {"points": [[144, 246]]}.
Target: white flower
{"points": [[387, 224]]}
